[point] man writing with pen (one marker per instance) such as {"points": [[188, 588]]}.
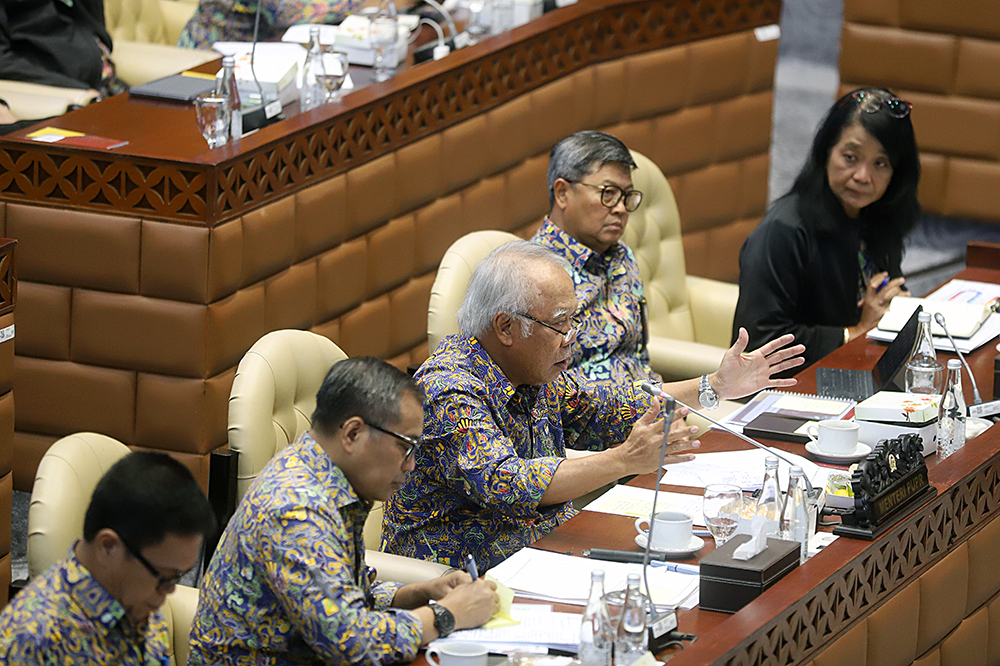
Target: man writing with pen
{"points": [[288, 583]]}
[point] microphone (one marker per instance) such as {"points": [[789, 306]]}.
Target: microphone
{"points": [[652, 390], [939, 318]]}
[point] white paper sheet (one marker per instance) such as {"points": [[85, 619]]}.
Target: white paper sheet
{"points": [[638, 503], [741, 468]]}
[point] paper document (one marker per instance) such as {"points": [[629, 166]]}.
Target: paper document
{"points": [[741, 468], [638, 503], [960, 291], [963, 319], [796, 405], [559, 631], [539, 574]]}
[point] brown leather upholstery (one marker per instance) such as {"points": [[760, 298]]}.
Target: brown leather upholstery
{"points": [[133, 327], [944, 58]]}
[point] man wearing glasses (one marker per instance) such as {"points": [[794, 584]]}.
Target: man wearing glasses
{"points": [[142, 532], [591, 196], [288, 583], [492, 476]]}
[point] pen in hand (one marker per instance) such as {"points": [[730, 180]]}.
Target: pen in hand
{"points": [[470, 567]]}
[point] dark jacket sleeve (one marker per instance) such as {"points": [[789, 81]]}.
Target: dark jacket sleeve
{"points": [[786, 288]]}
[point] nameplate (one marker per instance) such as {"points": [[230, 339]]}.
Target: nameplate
{"points": [[892, 478], [7, 333]]}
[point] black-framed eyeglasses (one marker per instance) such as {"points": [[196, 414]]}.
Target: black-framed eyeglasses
{"points": [[870, 102], [612, 194], [163, 583], [412, 444], [574, 326]]}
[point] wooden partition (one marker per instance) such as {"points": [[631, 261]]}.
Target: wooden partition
{"points": [[8, 299], [149, 270]]}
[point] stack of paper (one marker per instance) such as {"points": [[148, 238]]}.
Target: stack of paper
{"points": [[539, 574], [793, 405], [638, 503], [962, 319], [539, 629], [740, 468]]}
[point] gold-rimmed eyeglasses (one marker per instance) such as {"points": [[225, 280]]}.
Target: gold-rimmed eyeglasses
{"points": [[612, 194], [574, 326]]}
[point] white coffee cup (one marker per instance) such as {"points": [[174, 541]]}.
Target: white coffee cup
{"points": [[835, 436], [671, 531], [457, 653]]}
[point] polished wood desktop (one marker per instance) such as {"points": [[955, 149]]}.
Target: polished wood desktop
{"points": [[816, 603]]}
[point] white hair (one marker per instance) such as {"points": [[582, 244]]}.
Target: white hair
{"points": [[502, 282]]}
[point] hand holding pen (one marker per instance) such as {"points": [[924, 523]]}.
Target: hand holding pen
{"points": [[471, 568]]}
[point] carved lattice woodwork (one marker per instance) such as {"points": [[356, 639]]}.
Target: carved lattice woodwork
{"points": [[8, 275], [427, 99]]}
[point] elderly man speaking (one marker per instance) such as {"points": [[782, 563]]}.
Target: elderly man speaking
{"points": [[492, 476]]}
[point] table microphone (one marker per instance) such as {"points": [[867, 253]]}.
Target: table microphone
{"points": [[939, 318], [652, 390]]}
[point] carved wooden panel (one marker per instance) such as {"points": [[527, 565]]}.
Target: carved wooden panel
{"points": [[802, 630], [426, 99], [8, 275]]}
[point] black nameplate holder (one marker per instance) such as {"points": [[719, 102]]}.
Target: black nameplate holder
{"points": [[891, 479]]}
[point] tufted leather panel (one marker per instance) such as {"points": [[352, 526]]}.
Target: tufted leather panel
{"points": [[134, 326], [944, 58]]}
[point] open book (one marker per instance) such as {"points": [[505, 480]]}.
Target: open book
{"points": [[962, 319]]}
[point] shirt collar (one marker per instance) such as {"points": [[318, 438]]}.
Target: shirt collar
{"points": [[580, 257], [342, 493], [104, 611], [499, 388]]}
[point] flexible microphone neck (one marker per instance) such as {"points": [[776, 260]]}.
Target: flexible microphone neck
{"points": [[939, 318], [668, 415], [652, 390]]}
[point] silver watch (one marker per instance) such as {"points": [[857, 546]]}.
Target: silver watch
{"points": [[707, 396]]}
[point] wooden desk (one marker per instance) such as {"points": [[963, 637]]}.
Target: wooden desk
{"points": [[817, 603]]}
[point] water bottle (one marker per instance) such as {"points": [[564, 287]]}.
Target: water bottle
{"points": [[923, 371], [769, 501], [313, 92], [503, 16], [226, 87], [632, 639], [951, 412], [795, 516], [596, 639]]}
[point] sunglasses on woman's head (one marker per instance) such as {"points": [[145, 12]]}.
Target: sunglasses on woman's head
{"points": [[871, 102]]}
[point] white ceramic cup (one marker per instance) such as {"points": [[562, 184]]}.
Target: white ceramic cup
{"points": [[457, 653], [672, 530], [835, 436]]}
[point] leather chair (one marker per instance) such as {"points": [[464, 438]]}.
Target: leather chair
{"points": [[690, 318], [270, 405], [66, 478]]}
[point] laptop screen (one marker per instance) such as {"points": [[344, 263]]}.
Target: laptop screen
{"points": [[890, 372]]}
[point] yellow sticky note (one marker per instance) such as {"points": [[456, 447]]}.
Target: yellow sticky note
{"points": [[502, 617], [53, 131], [198, 75]]}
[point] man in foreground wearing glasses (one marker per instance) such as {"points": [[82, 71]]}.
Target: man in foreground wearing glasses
{"points": [[492, 476], [288, 583], [143, 531], [591, 196]]}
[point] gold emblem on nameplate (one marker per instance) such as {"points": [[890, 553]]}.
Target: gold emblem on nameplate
{"points": [[892, 463]]}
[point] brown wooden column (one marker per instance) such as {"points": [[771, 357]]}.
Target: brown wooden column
{"points": [[8, 298]]}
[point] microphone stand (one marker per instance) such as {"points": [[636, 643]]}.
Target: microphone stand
{"points": [[652, 390], [939, 318]]}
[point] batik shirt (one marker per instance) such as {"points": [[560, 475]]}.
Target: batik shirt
{"points": [[609, 345], [490, 450], [258, 603], [233, 20], [64, 616]]}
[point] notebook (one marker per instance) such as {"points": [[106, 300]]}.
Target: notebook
{"points": [[962, 319], [176, 87], [888, 374]]}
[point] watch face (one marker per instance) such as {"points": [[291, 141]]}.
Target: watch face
{"points": [[444, 621], [708, 400]]}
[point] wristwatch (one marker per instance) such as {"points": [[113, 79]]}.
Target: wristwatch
{"points": [[444, 621], [707, 396]]}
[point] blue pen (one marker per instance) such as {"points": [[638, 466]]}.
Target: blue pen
{"points": [[470, 566], [690, 569], [884, 282]]}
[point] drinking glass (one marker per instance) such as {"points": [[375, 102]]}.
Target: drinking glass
{"points": [[479, 27], [212, 114], [722, 506], [334, 72], [383, 38]]}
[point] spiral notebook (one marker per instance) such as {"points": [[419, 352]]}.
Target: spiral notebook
{"points": [[800, 407]]}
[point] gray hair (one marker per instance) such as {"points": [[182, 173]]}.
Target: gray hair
{"points": [[582, 154], [503, 283]]}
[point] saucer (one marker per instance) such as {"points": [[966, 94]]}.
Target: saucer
{"points": [[693, 546], [860, 451]]}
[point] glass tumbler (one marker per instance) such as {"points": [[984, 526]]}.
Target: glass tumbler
{"points": [[212, 114]]}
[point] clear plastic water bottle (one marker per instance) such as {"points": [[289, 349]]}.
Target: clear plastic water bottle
{"points": [[769, 501], [596, 638], [503, 16], [631, 641], [313, 92], [923, 371], [951, 412], [226, 87], [795, 516]]}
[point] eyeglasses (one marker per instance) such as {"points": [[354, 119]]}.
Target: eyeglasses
{"points": [[612, 194], [163, 583], [412, 445], [574, 326], [872, 102]]}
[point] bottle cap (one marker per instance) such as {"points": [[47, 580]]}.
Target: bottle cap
{"points": [[796, 471], [954, 364], [228, 60], [771, 460], [923, 315]]}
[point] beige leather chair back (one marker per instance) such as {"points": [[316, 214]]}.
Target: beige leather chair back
{"points": [[136, 21], [274, 395], [654, 234], [453, 279], [66, 478]]}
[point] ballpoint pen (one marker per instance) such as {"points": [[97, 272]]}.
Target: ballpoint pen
{"points": [[470, 566], [690, 569]]}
